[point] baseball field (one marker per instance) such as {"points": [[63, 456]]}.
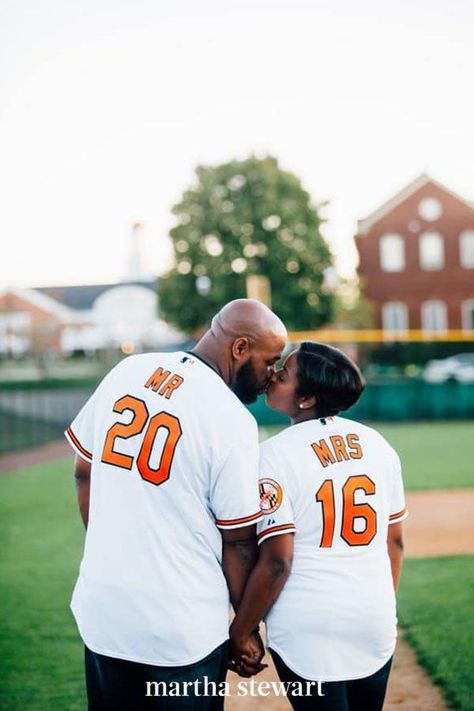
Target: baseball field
{"points": [[41, 538]]}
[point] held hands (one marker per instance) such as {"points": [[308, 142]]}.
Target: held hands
{"points": [[246, 654]]}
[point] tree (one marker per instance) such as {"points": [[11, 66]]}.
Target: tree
{"points": [[239, 219], [352, 308]]}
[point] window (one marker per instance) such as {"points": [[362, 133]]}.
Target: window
{"points": [[431, 251], [467, 310], [15, 321], [433, 316], [467, 249], [392, 253], [395, 317], [14, 333], [430, 209]]}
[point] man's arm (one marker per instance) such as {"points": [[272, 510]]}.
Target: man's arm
{"points": [[265, 584], [239, 555], [82, 475], [395, 551]]}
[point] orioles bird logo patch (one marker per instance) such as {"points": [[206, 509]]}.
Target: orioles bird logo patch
{"points": [[271, 495]]}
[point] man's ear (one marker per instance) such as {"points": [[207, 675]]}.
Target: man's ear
{"points": [[240, 348]]}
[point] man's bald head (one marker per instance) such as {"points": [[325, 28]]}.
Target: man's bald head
{"points": [[244, 342], [247, 317]]}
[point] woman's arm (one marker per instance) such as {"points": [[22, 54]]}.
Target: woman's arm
{"points": [[395, 551], [263, 587]]}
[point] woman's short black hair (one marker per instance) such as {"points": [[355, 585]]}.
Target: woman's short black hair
{"points": [[329, 375]]}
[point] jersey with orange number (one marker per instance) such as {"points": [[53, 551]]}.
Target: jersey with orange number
{"points": [[336, 486], [174, 458]]}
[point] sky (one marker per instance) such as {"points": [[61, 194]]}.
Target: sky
{"points": [[107, 106]]}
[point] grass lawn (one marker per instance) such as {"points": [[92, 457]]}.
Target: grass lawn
{"points": [[41, 540], [435, 455], [435, 610]]}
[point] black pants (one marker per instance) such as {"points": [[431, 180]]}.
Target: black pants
{"points": [[118, 685], [366, 694]]}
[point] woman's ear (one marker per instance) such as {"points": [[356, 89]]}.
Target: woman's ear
{"points": [[307, 403]]}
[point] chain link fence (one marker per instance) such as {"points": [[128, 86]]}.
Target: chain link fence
{"points": [[33, 416], [29, 418]]}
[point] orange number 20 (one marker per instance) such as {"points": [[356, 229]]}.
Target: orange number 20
{"points": [[350, 511], [140, 419]]}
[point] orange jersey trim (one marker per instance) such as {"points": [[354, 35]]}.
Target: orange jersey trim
{"points": [[77, 444], [234, 521], [274, 529], [396, 515]]}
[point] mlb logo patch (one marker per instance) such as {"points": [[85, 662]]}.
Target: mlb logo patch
{"points": [[187, 360]]}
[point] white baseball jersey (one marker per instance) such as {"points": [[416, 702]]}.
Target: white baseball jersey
{"points": [[337, 485], [174, 459]]}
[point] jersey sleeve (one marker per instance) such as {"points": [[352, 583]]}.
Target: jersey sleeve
{"points": [[234, 492], [398, 510], [80, 433], [275, 502]]}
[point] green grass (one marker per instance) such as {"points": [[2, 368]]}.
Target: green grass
{"points": [[41, 540], [435, 609], [435, 455]]}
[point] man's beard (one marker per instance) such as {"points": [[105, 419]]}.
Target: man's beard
{"points": [[246, 385]]}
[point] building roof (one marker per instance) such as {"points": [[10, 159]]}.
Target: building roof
{"points": [[368, 222], [42, 301], [82, 297]]}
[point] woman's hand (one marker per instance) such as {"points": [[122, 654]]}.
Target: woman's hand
{"points": [[246, 655]]}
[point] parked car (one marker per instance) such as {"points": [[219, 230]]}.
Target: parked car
{"points": [[458, 367]]}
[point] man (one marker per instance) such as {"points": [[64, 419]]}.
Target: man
{"points": [[166, 478]]}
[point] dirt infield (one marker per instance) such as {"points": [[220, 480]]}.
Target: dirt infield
{"points": [[440, 523], [38, 455]]}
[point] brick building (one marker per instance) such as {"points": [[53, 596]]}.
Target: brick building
{"points": [[417, 259], [89, 318], [29, 322]]}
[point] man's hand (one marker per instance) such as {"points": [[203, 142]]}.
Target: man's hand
{"points": [[263, 587], [246, 655]]}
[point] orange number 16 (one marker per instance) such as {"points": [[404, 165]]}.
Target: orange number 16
{"points": [[350, 511], [140, 419]]}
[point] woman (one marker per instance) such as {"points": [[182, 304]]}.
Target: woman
{"points": [[331, 541]]}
